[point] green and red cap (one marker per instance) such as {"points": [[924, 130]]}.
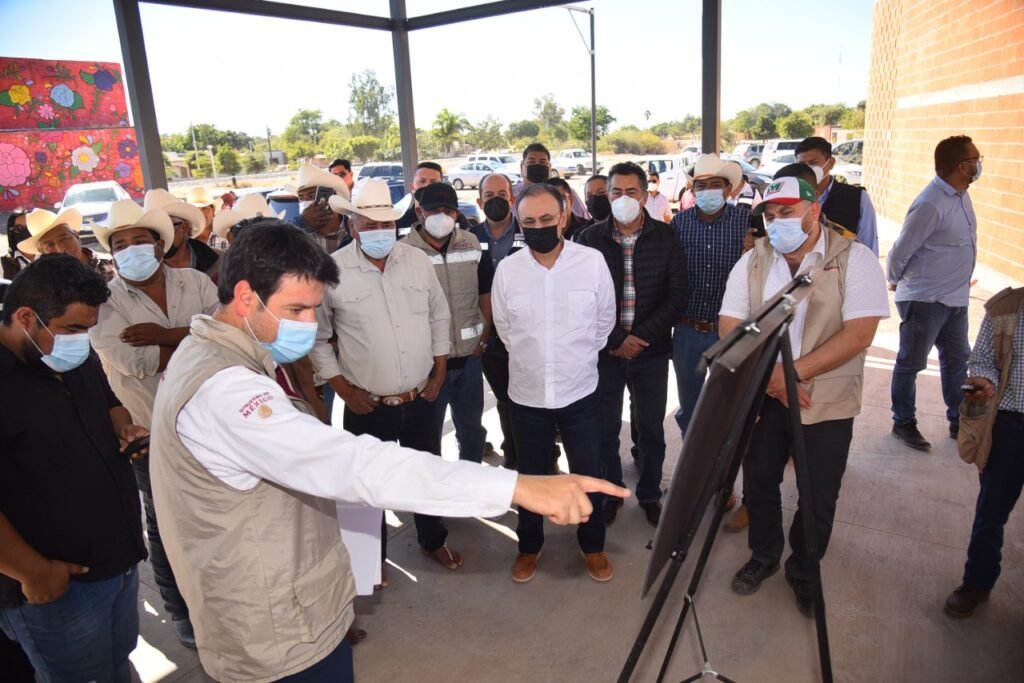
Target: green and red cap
{"points": [[786, 191]]}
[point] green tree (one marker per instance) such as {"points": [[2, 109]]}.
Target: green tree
{"points": [[306, 126], [764, 128], [826, 114], [795, 125], [579, 122], [335, 143], [227, 161], [175, 142], [370, 104], [547, 112], [853, 119], [364, 146], [486, 135], [518, 130], [255, 163], [448, 127]]}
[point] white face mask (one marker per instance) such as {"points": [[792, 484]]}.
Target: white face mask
{"points": [[304, 205], [652, 187], [625, 209], [439, 225], [819, 174]]}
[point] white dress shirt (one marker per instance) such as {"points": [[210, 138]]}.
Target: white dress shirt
{"points": [[865, 296], [133, 371], [390, 324], [554, 322], [242, 428], [657, 206]]}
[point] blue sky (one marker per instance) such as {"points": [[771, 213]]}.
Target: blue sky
{"points": [[244, 72]]}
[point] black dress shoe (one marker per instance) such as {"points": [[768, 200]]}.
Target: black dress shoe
{"points": [[954, 430], [908, 434], [749, 578], [962, 602], [804, 592], [652, 511], [611, 509]]}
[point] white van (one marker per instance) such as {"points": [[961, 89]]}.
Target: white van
{"points": [[671, 170], [494, 158], [777, 148]]}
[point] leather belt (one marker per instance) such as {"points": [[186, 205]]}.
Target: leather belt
{"points": [[399, 399], [700, 325]]}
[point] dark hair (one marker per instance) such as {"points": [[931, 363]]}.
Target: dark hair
{"points": [[949, 153], [341, 162], [536, 147], [797, 170], [653, 174], [629, 168], [594, 177], [811, 144], [11, 242], [50, 284], [430, 165], [480, 187], [538, 189], [267, 251]]}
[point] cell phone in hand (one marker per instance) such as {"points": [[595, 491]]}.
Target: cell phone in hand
{"points": [[322, 195], [757, 223], [969, 388], [136, 447]]}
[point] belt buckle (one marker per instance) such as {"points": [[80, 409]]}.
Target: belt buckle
{"points": [[391, 401]]}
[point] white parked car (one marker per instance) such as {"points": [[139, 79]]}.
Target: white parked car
{"points": [[849, 162], [570, 162], [471, 173], [671, 170], [769, 168], [776, 148], [93, 201]]}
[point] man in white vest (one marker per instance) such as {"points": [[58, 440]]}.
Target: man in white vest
{"points": [[830, 333], [245, 478]]}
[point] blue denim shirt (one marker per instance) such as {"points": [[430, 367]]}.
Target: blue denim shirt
{"points": [[934, 256]]}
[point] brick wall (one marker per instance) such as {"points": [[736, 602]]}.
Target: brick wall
{"points": [[941, 68]]}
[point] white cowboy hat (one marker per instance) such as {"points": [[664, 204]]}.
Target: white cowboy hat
{"points": [[174, 207], [373, 200], [199, 197], [710, 166], [249, 206], [125, 214], [311, 176], [40, 222]]}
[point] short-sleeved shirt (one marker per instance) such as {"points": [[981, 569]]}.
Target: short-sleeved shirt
{"points": [[64, 485]]}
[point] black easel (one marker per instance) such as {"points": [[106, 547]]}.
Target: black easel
{"points": [[740, 434]]}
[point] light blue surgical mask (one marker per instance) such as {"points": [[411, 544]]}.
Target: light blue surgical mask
{"points": [[137, 263], [377, 243], [69, 350], [294, 339], [710, 201], [787, 234]]}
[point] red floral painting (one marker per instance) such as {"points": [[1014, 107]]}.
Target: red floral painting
{"points": [[43, 94], [37, 167]]}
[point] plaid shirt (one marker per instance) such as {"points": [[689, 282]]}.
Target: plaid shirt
{"points": [[627, 312], [712, 249], [983, 364]]}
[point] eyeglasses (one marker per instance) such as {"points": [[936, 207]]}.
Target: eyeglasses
{"points": [[978, 158]]}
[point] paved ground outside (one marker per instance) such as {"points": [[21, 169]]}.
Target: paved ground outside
{"points": [[897, 551]]}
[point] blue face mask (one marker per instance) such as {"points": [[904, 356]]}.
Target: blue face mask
{"points": [[294, 339], [137, 263], [710, 201], [377, 243], [787, 234], [69, 350]]}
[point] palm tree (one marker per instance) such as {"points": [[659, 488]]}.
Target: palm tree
{"points": [[448, 127]]}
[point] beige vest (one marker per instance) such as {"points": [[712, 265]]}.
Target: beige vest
{"points": [[264, 572], [835, 394], [457, 271]]}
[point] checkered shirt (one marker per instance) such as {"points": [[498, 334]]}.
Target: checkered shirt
{"points": [[712, 249], [627, 311], [983, 364]]}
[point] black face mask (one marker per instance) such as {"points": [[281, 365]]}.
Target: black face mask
{"points": [[542, 240], [16, 236], [599, 207], [537, 173], [496, 209]]}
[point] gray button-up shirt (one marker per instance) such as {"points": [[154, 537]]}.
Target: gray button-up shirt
{"points": [[390, 324], [934, 256]]}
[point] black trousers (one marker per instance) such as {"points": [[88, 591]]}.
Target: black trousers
{"points": [[413, 425], [174, 603], [495, 364], [827, 445]]}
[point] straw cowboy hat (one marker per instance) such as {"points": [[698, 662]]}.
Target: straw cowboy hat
{"points": [[250, 206], [175, 208], [40, 222], [126, 214], [710, 166], [373, 200], [200, 197], [311, 176]]}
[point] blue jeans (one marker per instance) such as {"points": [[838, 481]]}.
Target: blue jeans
{"points": [[84, 635], [927, 324], [335, 668], [687, 347], [463, 388], [534, 430], [328, 399], [647, 380], [1001, 483]]}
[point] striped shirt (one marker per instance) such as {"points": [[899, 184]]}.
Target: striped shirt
{"points": [[712, 249], [627, 310], [498, 248]]}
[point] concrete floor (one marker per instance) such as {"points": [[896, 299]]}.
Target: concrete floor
{"points": [[898, 549]]}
